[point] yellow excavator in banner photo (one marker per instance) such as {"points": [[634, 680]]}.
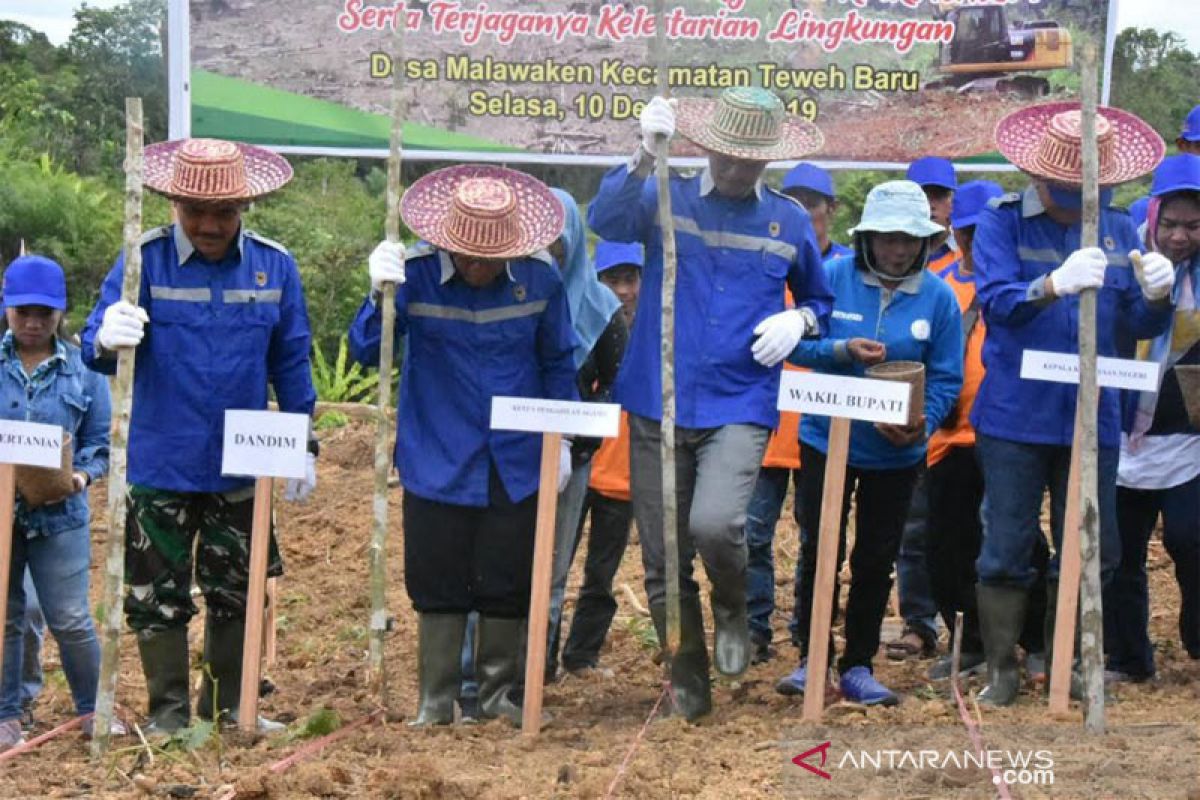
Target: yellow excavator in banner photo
{"points": [[991, 53]]}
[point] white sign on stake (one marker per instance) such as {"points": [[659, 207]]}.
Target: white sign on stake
{"points": [[535, 415], [30, 444], [1112, 373], [265, 444], [842, 396]]}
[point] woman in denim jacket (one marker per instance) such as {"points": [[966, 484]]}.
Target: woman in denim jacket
{"points": [[42, 379]]}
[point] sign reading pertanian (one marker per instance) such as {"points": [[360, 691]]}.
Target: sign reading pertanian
{"points": [[30, 444]]}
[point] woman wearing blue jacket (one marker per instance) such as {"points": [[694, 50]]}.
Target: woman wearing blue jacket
{"points": [[43, 379], [887, 308]]}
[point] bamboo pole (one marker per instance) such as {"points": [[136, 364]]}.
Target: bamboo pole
{"points": [[539, 598], [256, 593], [666, 224], [376, 671], [122, 403], [1091, 622]]}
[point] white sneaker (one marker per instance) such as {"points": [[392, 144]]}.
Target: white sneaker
{"points": [[10, 734], [115, 728], [264, 725]]}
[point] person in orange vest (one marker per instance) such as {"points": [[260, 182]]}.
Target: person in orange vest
{"points": [[619, 267]]}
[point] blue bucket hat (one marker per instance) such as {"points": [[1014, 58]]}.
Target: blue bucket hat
{"points": [[1176, 174], [810, 177], [35, 281], [1191, 126], [618, 254], [970, 200], [933, 171], [897, 207]]}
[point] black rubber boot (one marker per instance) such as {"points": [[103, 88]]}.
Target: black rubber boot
{"points": [[1001, 616], [731, 641], [165, 664], [221, 684], [497, 666], [689, 668], [439, 666]]}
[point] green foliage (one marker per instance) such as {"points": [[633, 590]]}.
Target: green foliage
{"points": [[194, 737], [331, 420], [643, 632], [1154, 75], [321, 722], [343, 381]]}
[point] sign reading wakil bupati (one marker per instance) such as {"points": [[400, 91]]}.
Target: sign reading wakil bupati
{"points": [[567, 80], [265, 444], [30, 444], [1113, 373], [555, 416], [843, 396]]}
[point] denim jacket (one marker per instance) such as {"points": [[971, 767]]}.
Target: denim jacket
{"points": [[74, 398]]}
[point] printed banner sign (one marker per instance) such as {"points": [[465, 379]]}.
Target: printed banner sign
{"points": [[30, 444], [555, 416], [887, 81], [843, 396], [1113, 373], [265, 444]]}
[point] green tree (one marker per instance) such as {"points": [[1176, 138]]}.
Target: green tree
{"points": [[1155, 76]]}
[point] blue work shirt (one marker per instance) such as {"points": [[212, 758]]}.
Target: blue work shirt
{"points": [[218, 334], [1017, 245], [735, 258], [835, 251], [465, 346], [62, 392], [919, 320]]}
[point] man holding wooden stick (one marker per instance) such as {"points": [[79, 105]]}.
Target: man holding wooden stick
{"points": [[221, 314], [1030, 269], [739, 245]]}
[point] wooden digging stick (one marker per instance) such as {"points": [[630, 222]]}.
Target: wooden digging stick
{"points": [[666, 223], [110, 610], [377, 674], [256, 595], [539, 600], [832, 494], [1091, 616]]}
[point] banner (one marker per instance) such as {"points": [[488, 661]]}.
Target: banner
{"points": [[887, 81]]}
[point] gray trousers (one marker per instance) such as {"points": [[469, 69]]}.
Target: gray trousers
{"points": [[715, 471]]}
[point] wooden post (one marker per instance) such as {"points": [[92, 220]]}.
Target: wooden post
{"points": [[1069, 566], [376, 672], [260, 537], [270, 639], [8, 498], [1091, 624], [539, 596], [832, 494], [666, 223], [110, 609]]}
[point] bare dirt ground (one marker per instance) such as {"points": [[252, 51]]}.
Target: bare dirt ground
{"points": [[742, 751]]}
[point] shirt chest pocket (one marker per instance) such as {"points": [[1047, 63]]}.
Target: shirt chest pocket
{"points": [[250, 307], [74, 406]]}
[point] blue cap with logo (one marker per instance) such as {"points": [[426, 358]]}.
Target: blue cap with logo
{"points": [[35, 281], [810, 177], [1176, 174], [970, 200], [933, 171], [1191, 126], [618, 254]]}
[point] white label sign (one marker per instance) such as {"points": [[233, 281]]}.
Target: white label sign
{"points": [[1113, 373], [555, 416], [265, 444], [30, 444], [843, 396]]}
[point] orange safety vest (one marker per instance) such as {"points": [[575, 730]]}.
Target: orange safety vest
{"points": [[610, 465], [961, 434]]}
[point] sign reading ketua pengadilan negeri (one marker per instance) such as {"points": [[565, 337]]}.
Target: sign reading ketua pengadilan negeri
{"points": [[887, 81]]}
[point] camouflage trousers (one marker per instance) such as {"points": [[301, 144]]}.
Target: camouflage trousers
{"points": [[162, 531]]}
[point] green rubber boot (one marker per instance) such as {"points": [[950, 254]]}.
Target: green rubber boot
{"points": [[1001, 617], [439, 667], [690, 680], [164, 657]]}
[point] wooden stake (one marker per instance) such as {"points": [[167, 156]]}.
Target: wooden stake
{"points": [[8, 503], [270, 645], [260, 538], [376, 672], [832, 493], [666, 223], [539, 593], [1091, 647], [110, 609], [1069, 566]]}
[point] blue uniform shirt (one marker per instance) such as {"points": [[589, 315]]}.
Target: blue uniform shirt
{"points": [[734, 259], [218, 334], [1016, 246], [466, 345]]}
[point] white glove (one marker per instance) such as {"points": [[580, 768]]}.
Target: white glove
{"points": [[657, 119], [123, 325], [1156, 275], [297, 490], [779, 334], [386, 264], [564, 464], [1083, 269]]}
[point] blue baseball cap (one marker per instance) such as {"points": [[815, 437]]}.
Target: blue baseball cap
{"points": [[618, 254], [970, 200], [1176, 174], [35, 281], [1191, 126], [810, 177], [1139, 209], [933, 171]]}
